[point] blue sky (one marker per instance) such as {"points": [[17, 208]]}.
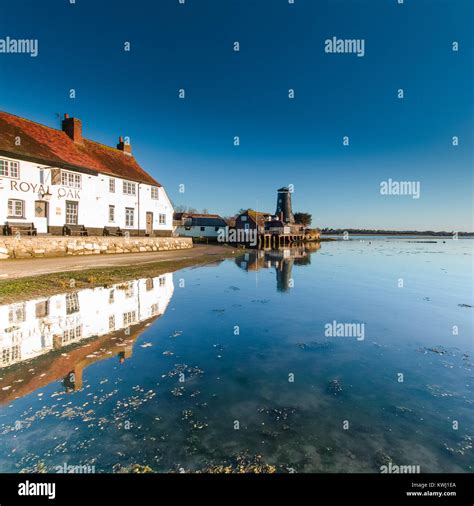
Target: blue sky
{"points": [[245, 94]]}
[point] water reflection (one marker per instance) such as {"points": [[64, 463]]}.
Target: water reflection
{"points": [[56, 338], [174, 405], [281, 259]]}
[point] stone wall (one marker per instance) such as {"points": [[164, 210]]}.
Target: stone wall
{"points": [[38, 247], [94, 231]]}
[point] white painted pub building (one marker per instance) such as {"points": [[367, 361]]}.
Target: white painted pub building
{"points": [[58, 182]]}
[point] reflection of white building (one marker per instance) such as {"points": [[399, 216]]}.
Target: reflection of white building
{"points": [[33, 328]]}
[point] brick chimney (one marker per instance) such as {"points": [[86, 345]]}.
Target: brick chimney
{"points": [[73, 128], [126, 147]]}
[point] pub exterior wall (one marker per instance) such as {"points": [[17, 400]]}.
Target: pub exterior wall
{"points": [[93, 200]]}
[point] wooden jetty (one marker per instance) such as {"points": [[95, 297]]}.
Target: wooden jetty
{"points": [[269, 240]]}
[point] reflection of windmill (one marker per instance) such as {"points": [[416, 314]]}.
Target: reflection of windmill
{"points": [[281, 259], [283, 275]]}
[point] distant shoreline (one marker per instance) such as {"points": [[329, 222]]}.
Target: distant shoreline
{"points": [[426, 233]]}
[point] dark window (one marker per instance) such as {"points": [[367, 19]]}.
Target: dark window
{"points": [[42, 309], [72, 303], [202, 229]]}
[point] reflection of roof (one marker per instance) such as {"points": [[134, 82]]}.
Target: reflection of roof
{"points": [[44, 144], [55, 365], [251, 261]]}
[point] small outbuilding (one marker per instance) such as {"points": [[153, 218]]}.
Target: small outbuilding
{"points": [[204, 226]]}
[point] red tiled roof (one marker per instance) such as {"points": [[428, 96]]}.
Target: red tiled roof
{"points": [[46, 144]]}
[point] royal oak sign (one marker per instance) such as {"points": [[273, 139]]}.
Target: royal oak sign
{"points": [[25, 187]]}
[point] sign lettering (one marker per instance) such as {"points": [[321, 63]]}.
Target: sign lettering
{"points": [[25, 187]]}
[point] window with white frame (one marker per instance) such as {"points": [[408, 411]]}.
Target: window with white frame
{"points": [[17, 313], [72, 303], [129, 188], [71, 179], [72, 334], [9, 168], [16, 208], [111, 214], [72, 212], [154, 192], [162, 219], [130, 291], [129, 217], [111, 185], [129, 318], [10, 355]]}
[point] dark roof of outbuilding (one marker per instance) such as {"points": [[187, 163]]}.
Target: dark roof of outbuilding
{"points": [[274, 223], [181, 215], [206, 222], [44, 144]]}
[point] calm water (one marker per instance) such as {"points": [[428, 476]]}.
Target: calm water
{"points": [[190, 370]]}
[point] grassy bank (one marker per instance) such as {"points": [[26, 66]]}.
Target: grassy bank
{"points": [[16, 290]]}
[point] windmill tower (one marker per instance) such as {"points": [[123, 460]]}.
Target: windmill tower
{"points": [[284, 211]]}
